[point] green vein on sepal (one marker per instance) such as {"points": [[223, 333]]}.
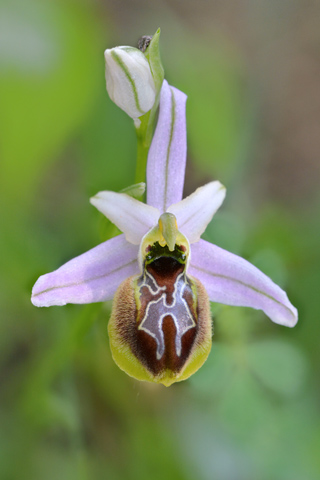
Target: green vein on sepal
{"points": [[173, 116], [129, 77]]}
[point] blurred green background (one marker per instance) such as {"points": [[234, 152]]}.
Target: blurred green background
{"points": [[251, 71]]}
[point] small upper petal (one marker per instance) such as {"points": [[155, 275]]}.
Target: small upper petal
{"points": [[232, 280], [195, 212], [132, 217], [91, 277], [168, 150]]}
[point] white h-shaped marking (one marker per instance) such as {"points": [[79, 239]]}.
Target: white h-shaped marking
{"points": [[158, 309]]}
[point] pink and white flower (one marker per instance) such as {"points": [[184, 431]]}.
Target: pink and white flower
{"points": [[96, 275]]}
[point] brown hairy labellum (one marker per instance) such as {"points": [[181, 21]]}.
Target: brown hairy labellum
{"points": [[160, 323]]}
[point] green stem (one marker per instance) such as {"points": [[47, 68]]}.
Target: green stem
{"points": [[142, 156], [144, 139]]}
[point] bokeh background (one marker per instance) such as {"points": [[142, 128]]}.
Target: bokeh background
{"points": [[252, 73]]}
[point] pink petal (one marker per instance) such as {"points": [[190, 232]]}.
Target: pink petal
{"points": [[132, 217], [168, 151], [232, 280], [194, 213], [92, 277]]}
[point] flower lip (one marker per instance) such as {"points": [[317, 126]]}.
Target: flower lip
{"points": [[160, 326]]}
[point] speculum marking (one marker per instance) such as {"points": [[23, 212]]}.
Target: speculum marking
{"points": [[158, 308]]}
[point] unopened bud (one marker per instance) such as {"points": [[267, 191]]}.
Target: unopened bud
{"points": [[130, 84]]}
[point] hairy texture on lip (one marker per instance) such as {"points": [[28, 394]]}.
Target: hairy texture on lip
{"points": [[135, 350]]}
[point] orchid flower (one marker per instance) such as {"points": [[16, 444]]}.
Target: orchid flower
{"points": [[159, 271]]}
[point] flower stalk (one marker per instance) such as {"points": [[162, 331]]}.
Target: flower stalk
{"points": [[145, 130]]}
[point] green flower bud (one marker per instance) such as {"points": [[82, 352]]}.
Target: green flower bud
{"points": [[130, 83]]}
